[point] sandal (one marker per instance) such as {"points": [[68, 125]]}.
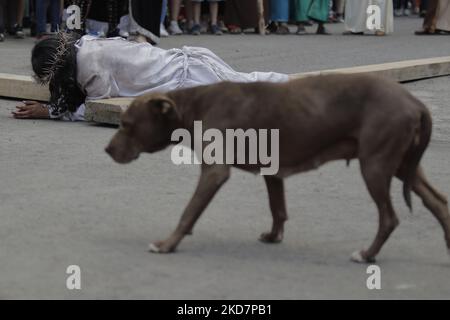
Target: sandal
{"points": [[301, 31], [350, 33], [233, 29], [283, 29]]}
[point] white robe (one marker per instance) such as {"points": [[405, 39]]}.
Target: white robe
{"points": [[114, 67], [443, 15], [356, 15]]}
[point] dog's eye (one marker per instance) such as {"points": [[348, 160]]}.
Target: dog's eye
{"points": [[126, 125]]}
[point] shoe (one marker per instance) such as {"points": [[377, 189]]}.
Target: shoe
{"points": [[174, 28], [216, 30], [301, 30], [222, 26], [162, 31], [283, 29], [272, 27], [379, 33], [195, 31], [407, 12], [424, 32], [18, 32], [349, 33], [442, 32], [234, 29], [398, 12], [2, 37], [322, 31]]}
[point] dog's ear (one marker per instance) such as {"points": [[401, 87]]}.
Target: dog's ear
{"points": [[163, 105]]}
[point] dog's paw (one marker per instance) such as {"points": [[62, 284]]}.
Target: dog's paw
{"points": [[358, 257], [159, 247], [269, 237]]}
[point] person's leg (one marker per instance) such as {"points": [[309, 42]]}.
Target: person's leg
{"points": [[2, 21], [423, 7], [300, 14], [16, 10], [55, 14], [164, 11], [319, 11], [232, 16], [162, 29], [175, 6], [196, 11], [213, 12], [280, 15], [429, 22], [189, 14], [405, 6], [340, 10], [41, 17], [20, 12]]}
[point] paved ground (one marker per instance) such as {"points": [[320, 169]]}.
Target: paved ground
{"points": [[64, 202]]}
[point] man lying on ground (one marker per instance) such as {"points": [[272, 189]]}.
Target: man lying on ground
{"points": [[78, 70]]}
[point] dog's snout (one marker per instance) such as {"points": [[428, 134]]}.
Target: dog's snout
{"points": [[109, 149]]}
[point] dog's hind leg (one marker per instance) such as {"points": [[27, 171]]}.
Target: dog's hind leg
{"points": [[378, 181], [433, 200], [275, 187], [211, 179]]}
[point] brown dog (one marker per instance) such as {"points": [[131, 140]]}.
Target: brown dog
{"points": [[320, 119]]}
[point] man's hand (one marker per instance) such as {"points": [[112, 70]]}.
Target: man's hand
{"points": [[31, 110]]}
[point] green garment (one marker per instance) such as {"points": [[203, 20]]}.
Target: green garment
{"points": [[304, 10]]}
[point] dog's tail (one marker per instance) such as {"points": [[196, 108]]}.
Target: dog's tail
{"points": [[415, 152]]}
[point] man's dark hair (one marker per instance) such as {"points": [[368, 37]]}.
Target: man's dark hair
{"points": [[54, 62]]}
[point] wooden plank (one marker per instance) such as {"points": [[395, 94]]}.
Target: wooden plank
{"points": [[401, 71], [22, 87], [107, 110]]}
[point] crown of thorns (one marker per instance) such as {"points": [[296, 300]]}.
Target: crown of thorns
{"points": [[58, 59]]}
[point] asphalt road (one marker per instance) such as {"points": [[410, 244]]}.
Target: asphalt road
{"points": [[64, 202]]}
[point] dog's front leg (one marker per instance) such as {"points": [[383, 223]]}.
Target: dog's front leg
{"points": [[211, 179], [275, 187]]}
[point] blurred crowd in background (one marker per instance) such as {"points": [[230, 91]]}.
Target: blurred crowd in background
{"points": [[146, 20]]}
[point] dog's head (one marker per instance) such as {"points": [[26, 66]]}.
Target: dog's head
{"points": [[144, 127]]}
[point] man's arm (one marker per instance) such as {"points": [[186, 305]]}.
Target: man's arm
{"points": [[36, 110], [31, 110]]}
